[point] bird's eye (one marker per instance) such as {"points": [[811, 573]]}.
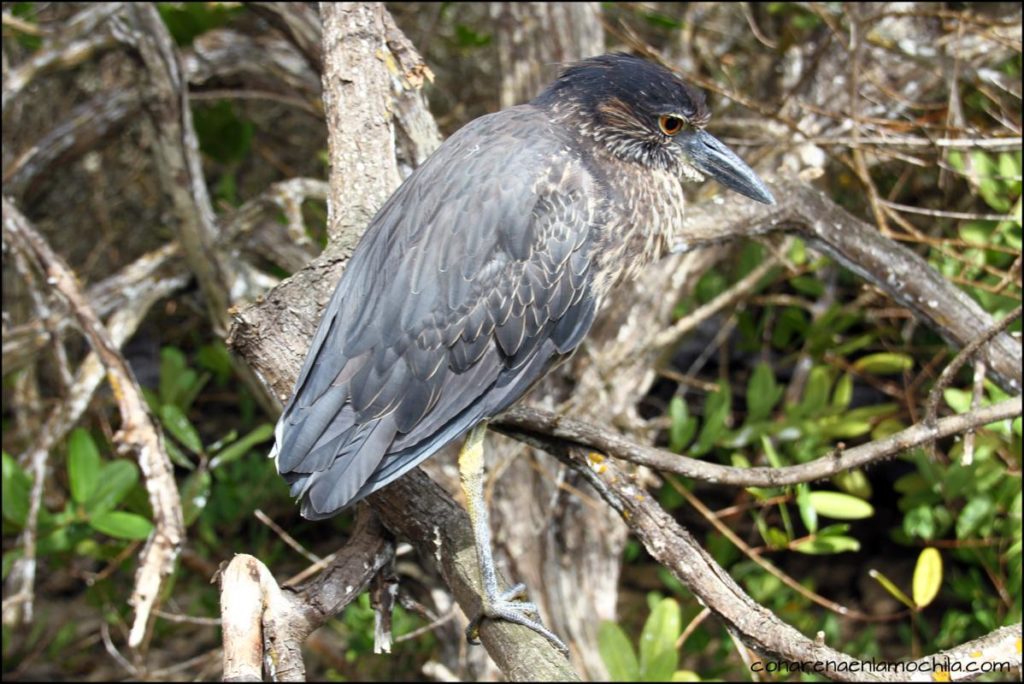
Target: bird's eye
{"points": [[670, 125]]}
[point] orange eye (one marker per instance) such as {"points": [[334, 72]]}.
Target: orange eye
{"points": [[670, 125]]}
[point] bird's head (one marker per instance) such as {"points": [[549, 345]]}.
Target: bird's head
{"points": [[643, 113]]}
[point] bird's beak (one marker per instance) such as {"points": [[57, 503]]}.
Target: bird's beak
{"points": [[712, 158]]}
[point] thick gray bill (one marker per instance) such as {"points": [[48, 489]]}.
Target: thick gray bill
{"points": [[713, 159]]}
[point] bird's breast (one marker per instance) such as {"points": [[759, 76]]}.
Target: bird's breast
{"points": [[645, 209]]}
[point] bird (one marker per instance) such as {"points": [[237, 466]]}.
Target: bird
{"points": [[484, 269]]}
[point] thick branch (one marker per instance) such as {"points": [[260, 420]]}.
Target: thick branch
{"points": [[264, 623], [177, 156]]}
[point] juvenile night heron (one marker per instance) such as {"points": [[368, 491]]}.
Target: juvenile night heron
{"points": [[484, 269]]}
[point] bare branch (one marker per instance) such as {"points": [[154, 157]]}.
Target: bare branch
{"points": [[265, 624], [757, 627], [79, 42], [138, 433], [153, 274], [529, 421], [896, 270], [177, 156]]}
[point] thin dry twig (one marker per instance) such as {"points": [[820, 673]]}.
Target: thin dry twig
{"points": [[286, 538], [950, 371], [551, 428]]}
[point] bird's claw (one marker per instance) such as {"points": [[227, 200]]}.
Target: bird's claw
{"points": [[511, 607]]}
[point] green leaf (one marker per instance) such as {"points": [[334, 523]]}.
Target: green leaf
{"points": [[179, 426], [172, 372], [808, 285], [115, 481], [990, 187], [776, 538], [763, 392], [216, 358], [891, 587], [845, 427], [661, 667], [976, 232], [815, 398], [240, 448], [658, 655], [717, 408], [770, 453], [16, 487], [220, 444], [884, 363], [790, 323], [121, 525], [83, 465], [853, 482], [825, 546], [927, 576], [840, 506], [975, 517], [843, 392], [807, 511], [919, 522], [957, 399], [195, 494], [889, 426], [177, 456], [617, 653], [683, 426]]}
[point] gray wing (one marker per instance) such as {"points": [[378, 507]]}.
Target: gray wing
{"points": [[470, 282]]}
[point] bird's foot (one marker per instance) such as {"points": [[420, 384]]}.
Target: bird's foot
{"points": [[510, 606]]}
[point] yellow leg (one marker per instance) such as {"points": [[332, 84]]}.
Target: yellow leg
{"points": [[496, 604]]}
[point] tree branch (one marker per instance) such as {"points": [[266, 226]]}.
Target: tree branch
{"points": [[525, 421]]}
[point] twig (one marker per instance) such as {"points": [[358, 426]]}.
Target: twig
{"points": [[976, 394], [770, 567], [76, 44], [176, 149], [108, 644], [431, 626], [285, 537], [187, 619], [669, 338], [950, 371], [546, 425]]}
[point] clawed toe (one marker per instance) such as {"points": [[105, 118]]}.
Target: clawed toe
{"points": [[510, 607]]}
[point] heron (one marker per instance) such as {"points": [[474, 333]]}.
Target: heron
{"points": [[483, 270]]}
